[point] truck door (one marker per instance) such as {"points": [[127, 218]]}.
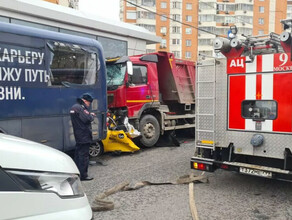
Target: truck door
{"points": [[138, 92]]}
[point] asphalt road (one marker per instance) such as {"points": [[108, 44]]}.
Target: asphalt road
{"points": [[226, 196]]}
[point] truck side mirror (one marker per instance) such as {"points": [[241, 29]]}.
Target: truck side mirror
{"points": [[130, 67]]}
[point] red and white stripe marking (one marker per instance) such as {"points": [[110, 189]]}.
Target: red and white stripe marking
{"points": [[248, 81]]}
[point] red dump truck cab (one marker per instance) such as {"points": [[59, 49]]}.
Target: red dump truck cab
{"points": [[137, 89], [155, 91]]}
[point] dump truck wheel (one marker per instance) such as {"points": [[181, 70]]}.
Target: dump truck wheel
{"points": [[192, 132], [150, 130], [96, 149]]}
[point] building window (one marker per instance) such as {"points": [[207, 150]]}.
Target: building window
{"points": [[151, 28], [131, 15], [243, 7], [175, 41], [176, 17], [176, 5], [4, 19], [163, 18], [188, 54], [130, 5], [188, 43], [188, 30], [163, 30], [261, 21], [163, 5], [205, 42], [208, 6], [112, 47], [261, 32], [35, 25], [176, 54], [189, 18], [262, 9], [229, 19], [149, 3], [146, 14], [208, 18], [176, 30], [163, 43], [189, 6]]}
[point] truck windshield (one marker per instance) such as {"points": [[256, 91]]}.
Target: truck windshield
{"points": [[115, 74]]}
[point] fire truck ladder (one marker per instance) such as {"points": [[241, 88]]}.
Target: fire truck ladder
{"points": [[206, 105]]}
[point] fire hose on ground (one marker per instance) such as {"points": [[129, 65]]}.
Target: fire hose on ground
{"points": [[100, 202]]}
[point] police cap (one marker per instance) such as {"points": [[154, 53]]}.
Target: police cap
{"points": [[86, 96]]}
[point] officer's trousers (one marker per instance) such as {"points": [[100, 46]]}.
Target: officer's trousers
{"points": [[81, 158]]}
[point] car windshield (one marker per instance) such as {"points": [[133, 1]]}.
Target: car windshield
{"points": [[115, 74]]}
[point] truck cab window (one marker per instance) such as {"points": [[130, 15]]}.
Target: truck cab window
{"points": [[72, 64], [259, 109], [139, 76]]}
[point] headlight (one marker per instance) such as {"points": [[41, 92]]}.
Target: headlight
{"points": [[65, 185]]}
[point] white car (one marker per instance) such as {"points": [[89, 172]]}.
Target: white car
{"points": [[39, 183]]}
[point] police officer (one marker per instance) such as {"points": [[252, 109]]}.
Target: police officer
{"points": [[81, 119]]}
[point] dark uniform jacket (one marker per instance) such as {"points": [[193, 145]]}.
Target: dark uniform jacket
{"points": [[81, 121]]}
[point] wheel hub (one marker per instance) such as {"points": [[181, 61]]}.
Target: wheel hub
{"points": [[94, 150], [149, 130]]}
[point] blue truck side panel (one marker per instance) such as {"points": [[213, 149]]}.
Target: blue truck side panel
{"points": [[35, 110]]}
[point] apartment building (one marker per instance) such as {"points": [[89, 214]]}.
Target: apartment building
{"points": [[212, 17], [175, 21], [251, 17]]}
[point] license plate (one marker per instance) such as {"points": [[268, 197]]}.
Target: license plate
{"points": [[255, 172]]}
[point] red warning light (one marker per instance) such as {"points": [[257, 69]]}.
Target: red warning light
{"points": [[201, 166]]}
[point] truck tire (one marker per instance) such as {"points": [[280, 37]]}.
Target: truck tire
{"points": [[150, 130], [192, 132]]}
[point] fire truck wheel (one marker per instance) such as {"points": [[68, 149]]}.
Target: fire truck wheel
{"points": [[96, 149], [150, 130]]}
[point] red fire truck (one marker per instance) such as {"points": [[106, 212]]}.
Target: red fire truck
{"points": [[244, 108], [155, 91]]}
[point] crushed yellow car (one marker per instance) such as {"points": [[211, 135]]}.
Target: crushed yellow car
{"points": [[115, 141]]}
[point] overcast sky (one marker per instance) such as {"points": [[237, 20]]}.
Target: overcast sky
{"points": [[102, 8]]}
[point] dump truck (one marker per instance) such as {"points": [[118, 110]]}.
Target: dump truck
{"points": [[155, 91], [244, 108]]}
